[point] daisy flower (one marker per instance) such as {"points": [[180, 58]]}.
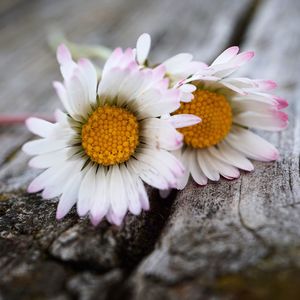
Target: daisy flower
{"points": [[111, 139], [222, 143]]}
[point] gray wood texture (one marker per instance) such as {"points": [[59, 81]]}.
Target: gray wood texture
{"points": [[228, 240]]}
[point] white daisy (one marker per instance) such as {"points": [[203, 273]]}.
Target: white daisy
{"points": [[110, 141], [222, 143]]}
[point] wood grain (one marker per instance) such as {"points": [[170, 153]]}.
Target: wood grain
{"points": [[229, 240], [225, 235]]}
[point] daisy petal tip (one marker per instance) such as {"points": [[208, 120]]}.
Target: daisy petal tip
{"points": [[59, 216], [250, 168], [271, 85], [143, 43], [179, 143], [146, 208], [117, 52], [84, 62], [246, 56], [81, 213], [197, 120], [32, 164], [233, 50], [32, 189], [281, 103], [145, 37], [249, 55], [95, 220], [61, 213], [117, 221], [275, 155], [57, 86], [63, 54], [30, 123], [283, 117], [25, 148]]}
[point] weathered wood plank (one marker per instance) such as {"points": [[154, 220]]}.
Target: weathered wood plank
{"points": [[234, 240]]}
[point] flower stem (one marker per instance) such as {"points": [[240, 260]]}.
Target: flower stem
{"points": [[55, 38], [20, 119]]}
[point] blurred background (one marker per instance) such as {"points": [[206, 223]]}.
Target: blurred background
{"points": [[201, 27], [265, 255]]}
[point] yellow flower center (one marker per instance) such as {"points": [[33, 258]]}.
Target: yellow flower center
{"points": [[110, 135], [216, 115]]}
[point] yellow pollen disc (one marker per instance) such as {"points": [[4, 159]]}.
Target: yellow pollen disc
{"points": [[110, 136], [216, 115]]}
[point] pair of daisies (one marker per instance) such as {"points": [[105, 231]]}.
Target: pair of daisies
{"points": [[157, 125]]}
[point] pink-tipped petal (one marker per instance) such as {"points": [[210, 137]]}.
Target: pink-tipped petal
{"points": [[266, 85], [226, 55], [281, 103], [184, 120], [243, 57], [63, 54]]}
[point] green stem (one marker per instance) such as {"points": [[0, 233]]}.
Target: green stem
{"points": [[55, 38]]}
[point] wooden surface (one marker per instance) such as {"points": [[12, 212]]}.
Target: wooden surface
{"points": [[228, 240]]}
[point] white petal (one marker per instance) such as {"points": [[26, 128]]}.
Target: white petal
{"points": [[62, 94], [101, 200], [165, 158], [184, 120], [48, 160], [225, 169], [40, 182], [175, 62], [188, 88], [69, 195], [39, 127], [227, 154], [149, 173], [54, 185], [90, 74], [130, 87], [164, 172], [207, 167], [116, 191], [86, 192], [183, 156], [60, 117], [143, 47], [77, 95], [42, 146], [226, 55], [273, 121], [67, 65], [112, 61], [161, 134], [252, 145], [154, 104], [143, 196], [195, 169], [132, 193], [110, 83]]}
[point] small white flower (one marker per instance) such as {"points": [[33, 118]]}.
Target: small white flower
{"points": [[111, 140], [222, 143]]}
